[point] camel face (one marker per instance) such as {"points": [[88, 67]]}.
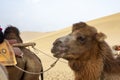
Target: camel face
{"points": [[75, 44]]}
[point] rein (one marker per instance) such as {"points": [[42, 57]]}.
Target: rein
{"points": [[51, 66]]}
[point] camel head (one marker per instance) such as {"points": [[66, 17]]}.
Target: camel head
{"points": [[79, 42], [12, 32]]}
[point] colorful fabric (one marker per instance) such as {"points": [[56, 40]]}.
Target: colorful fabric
{"points": [[16, 50], [7, 55]]}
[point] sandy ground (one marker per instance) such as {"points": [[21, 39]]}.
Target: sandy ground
{"points": [[110, 25]]}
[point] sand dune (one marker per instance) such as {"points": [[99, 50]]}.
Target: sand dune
{"points": [[110, 25], [27, 35]]}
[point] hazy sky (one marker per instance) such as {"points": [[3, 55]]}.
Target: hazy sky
{"points": [[50, 15]]}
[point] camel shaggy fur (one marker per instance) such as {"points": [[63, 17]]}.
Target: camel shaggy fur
{"points": [[88, 55]]}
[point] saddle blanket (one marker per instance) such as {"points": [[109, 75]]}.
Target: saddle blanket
{"points": [[7, 55]]}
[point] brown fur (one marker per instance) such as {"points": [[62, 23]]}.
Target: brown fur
{"points": [[29, 62], [88, 54]]}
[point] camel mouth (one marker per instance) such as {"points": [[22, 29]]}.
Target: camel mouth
{"points": [[59, 49], [58, 55]]}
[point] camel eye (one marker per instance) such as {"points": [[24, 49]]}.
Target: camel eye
{"points": [[81, 39]]}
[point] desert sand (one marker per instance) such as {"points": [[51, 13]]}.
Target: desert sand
{"points": [[110, 25]]}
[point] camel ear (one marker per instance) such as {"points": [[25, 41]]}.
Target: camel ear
{"points": [[100, 37]]}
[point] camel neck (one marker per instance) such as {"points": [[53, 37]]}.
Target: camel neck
{"points": [[90, 70]]}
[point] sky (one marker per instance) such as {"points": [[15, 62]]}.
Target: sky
{"points": [[51, 15]]}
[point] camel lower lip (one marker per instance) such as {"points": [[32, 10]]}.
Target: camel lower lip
{"points": [[56, 55], [59, 55]]}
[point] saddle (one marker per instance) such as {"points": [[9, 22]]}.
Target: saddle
{"points": [[9, 50], [7, 54]]}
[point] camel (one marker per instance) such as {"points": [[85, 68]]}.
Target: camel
{"points": [[87, 53], [29, 61]]}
